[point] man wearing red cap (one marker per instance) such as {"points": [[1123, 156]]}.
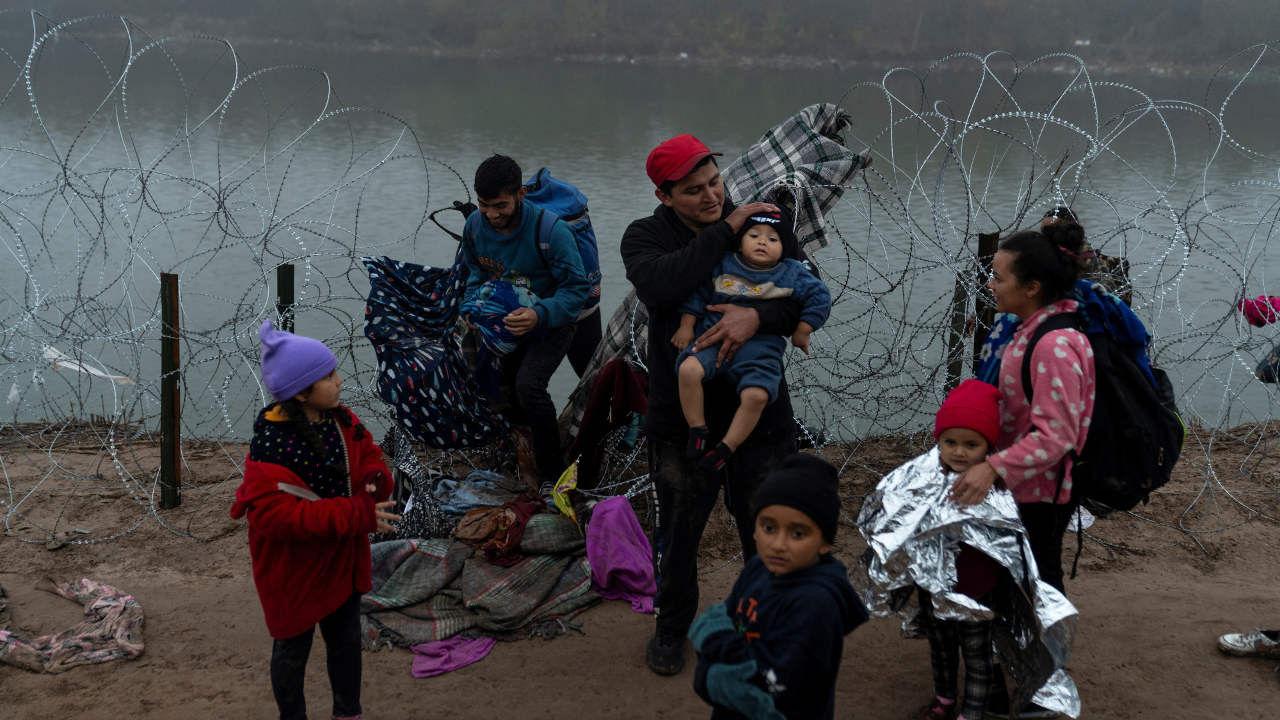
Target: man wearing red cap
{"points": [[667, 256]]}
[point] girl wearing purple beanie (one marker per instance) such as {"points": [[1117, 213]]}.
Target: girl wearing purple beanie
{"points": [[315, 486]]}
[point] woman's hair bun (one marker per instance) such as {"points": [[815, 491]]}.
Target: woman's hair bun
{"points": [[1068, 236]]}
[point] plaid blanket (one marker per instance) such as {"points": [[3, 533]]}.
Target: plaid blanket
{"points": [[112, 630], [426, 590], [801, 164]]}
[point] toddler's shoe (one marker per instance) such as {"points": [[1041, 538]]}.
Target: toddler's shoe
{"points": [[714, 461], [697, 446], [937, 711]]}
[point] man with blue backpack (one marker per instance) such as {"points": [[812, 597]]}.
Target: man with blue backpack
{"points": [[511, 240]]}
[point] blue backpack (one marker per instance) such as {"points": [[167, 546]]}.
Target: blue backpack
{"points": [[561, 201]]}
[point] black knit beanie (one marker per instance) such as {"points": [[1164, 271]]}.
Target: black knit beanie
{"points": [[779, 220], [807, 483]]}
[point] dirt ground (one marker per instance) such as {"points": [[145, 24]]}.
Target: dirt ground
{"points": [[1152, 600]]}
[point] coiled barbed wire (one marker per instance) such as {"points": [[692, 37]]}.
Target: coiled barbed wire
{"points": [[256, 169]]}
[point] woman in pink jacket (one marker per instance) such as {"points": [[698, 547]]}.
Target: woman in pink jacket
{"points": [[1032, 273]]}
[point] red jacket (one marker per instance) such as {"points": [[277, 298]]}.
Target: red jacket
{"points": [[309, 556]]}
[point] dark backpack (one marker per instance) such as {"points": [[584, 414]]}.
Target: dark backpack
{"points": [[1136, 433], [560, 200]]}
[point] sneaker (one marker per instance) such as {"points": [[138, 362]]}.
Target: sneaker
{"points": [[1259, 643], [937, 711], [665, 653]]}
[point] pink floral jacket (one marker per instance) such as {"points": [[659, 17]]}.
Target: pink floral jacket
{"points": [[1034, 441]]}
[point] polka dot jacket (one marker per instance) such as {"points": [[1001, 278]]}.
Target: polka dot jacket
{"points": [[1035, 439], [323, 468]]}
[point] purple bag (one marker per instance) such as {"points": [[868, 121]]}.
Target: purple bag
{"points": [[620, 557]]}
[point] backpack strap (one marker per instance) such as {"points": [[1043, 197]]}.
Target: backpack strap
{"points": [[1061, 321], [542, 235], [466, 208]]}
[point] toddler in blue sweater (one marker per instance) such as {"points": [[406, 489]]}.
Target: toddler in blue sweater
{"points": [[756, 272]]}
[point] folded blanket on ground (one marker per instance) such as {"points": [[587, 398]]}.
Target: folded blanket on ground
{"points": [[427, 590]]}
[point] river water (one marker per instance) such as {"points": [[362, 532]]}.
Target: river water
{"points": [[319, 171]]}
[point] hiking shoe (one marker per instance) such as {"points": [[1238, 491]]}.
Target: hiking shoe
{"points": [[937, 711], [1259, 643], [665, 653]]}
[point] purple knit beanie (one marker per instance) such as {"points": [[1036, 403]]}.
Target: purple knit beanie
{"points": [[291, 363]]}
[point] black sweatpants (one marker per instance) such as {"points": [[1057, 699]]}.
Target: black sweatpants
{"points": [[1046, 525], [587, 332], [527, 371], [341, 631], [685, 498]]}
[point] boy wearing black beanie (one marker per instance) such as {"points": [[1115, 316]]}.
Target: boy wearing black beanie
{"points": [[773, 648]]}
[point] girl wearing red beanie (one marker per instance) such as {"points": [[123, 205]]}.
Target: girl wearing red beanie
{"points": [[909, 516], [966, 428]]}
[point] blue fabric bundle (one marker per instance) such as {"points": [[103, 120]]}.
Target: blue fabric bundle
{"points": [[988, 365], [410, 318], [494, 301]]}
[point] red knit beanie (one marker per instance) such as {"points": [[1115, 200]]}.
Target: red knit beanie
{"points": [[974, 405]]}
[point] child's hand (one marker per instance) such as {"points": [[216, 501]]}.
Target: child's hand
{"points": [[682, 338], [384, 517], [373, 478], [801, 339]]}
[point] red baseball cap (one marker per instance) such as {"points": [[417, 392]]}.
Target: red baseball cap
{"points": [[675, 158]]}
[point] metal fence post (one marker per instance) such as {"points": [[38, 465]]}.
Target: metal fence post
{"points": [[284, 296], [170, 394]]}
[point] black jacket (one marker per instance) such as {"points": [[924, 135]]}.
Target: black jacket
{"points": [[666, 261], [792, 626]]}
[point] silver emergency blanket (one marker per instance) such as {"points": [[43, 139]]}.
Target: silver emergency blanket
{"points": [[914, 532]]}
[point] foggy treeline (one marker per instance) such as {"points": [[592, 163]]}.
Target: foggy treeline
{"points": [[1169, 31]]}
